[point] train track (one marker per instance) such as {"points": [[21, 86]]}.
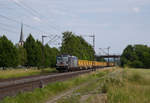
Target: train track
{"points": [[13, 87]]}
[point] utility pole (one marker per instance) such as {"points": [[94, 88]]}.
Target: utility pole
{"points": [[43, 36], [93, 36], [52, 38], [108, 54]]}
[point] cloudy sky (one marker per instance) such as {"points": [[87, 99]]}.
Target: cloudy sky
{"points": [[115, 23]]}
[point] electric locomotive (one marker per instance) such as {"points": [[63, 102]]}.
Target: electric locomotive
{"points": [[67, 62]]}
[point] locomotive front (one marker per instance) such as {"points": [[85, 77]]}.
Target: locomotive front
{"points": [[62, 62]]}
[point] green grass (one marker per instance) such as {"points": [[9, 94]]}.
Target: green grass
{"points": [[122, 86], [119, 86], [48, 92], [92, 86], [134, 87], [15, 73]]}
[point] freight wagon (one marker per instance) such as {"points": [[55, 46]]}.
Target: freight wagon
{"points": [[72, 63]]}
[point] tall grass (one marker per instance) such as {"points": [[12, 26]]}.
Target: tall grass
{"points": [[135, 88], [15, 73], [121, 86]]}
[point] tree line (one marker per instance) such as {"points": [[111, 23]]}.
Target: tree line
{"points": [[136, 56], [34, 54], [31, 54]]}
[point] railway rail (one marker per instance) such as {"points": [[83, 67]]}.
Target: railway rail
{"points": [[13, 87]]}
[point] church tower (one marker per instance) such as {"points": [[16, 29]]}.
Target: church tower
{"points": [[21, 41]]}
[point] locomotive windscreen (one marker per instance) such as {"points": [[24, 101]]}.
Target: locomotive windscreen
{"points": [[62, 60]]}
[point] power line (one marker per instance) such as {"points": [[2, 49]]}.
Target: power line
{"points": [[31, 8], [92, 36], [7, 25], [52, 39], [36, 13], [11, 31], [55, 40], [24, 8], [5, 17]]}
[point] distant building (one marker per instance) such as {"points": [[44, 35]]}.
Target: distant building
{"points": [[21, 41]]}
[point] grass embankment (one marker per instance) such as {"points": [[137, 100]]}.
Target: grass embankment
{"points": [[121, 86], [133, 86], [53, 89], [118, 86], [15, 73]]}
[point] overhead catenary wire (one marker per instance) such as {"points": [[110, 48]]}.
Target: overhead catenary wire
{"points": [[8, 30], [27, 25], [52, 39], [5, 17], [33, 12], [55, 40], [7, 25], [38, 14], [18, 4]]}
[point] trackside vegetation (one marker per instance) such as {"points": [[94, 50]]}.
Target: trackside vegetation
{"points": [[16, 73], [29, 55], [41, 95], [120, 86], [133, 86], [103, 86], [34, 54]]}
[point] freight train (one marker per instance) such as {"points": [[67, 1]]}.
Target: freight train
{"points": [[72, 63]]}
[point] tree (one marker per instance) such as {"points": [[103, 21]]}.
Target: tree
{"points": [[8, 53], [146, 59], [54, 53], [31, 48], [22, 55], [77, 46], [50, 56], [47, 56], [39, 54]]}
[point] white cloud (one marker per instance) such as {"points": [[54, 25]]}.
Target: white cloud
{"points": [[137, 10], [37, 19]]}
